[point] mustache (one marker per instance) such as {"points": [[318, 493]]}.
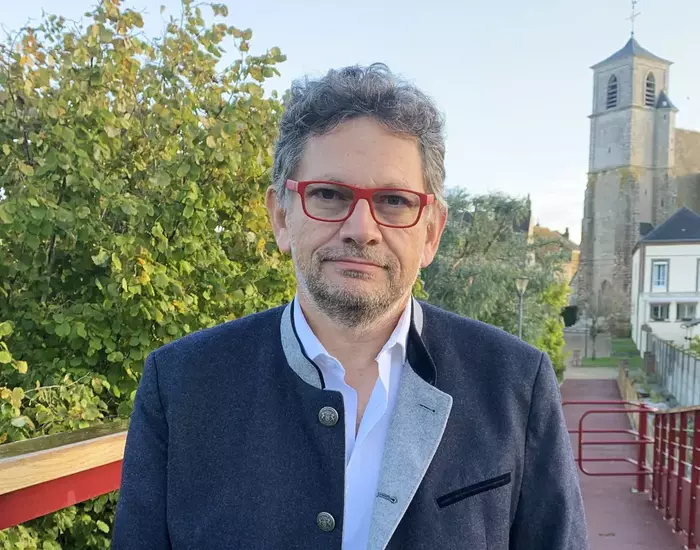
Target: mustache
{"points": [[354, 252]]}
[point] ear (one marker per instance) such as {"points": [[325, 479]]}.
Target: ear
{"points": [[437, 218], [278, 220]]}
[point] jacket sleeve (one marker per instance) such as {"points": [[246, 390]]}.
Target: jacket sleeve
{"points": [[140, 520], [550, 513]]}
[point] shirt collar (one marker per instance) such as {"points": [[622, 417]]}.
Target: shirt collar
{"points": [[314, 348]]}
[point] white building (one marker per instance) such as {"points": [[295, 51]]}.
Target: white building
{"points": [[666, 279]]}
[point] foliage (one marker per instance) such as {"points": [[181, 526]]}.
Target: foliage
{"points": [[551, 340], [133, 174], [695, 345], [482, 252]]}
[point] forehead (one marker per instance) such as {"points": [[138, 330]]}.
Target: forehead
{"points": [[362, 152]]}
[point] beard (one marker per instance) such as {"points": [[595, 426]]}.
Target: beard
{"points": [[352, 305]]}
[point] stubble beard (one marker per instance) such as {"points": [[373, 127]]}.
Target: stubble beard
{"points": [[353, 308]]}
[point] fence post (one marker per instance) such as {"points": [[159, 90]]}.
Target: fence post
{"points": [[669, 464], [649, 363], [655, 480], [642, 456], [662, 461], [680, 462], [694, 480]]}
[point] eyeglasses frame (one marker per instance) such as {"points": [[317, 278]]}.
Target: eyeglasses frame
{"points": [[359, 193]]}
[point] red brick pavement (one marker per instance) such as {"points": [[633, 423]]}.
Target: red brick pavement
{"points": [[618, 519]]}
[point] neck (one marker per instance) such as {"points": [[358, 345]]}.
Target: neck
{"points": [[352, 346]]}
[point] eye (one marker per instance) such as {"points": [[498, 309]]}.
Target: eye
{"points": [[396, 200]]}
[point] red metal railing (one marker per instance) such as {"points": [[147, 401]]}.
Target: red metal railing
{"points": [[674, 456], [676, 477], [641, 439]]}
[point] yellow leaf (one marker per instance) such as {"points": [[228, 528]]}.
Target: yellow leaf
{"points": [[5, 393], [21, 366], [211, 142], [17, 396]]}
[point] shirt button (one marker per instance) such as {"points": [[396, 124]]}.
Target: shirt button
{"points": [[328, 416], [325, 522]]}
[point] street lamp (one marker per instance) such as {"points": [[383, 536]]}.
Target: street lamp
{"points": [[520, 286]]}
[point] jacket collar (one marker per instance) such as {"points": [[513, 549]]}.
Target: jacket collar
{"points": [[416, 352]]}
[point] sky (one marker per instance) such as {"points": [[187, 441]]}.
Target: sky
{"points": [[512, 77]]}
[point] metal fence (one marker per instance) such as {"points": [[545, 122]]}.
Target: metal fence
{"points": [[678, 370]]}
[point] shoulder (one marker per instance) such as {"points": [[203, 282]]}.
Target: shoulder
{"points": [[243, 335], [449, 337]]}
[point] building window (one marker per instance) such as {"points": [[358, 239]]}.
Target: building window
{"points": [[611, 98], [686, 312], [650, 91], [659, 276], [659, 312]]}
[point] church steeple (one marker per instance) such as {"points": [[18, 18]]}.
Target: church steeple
{"points": [[631, 50]]}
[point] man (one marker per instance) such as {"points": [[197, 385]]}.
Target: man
{"points": [[354, 417]]}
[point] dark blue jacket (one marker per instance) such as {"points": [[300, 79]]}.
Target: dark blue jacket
{"points": [[227, 449]]}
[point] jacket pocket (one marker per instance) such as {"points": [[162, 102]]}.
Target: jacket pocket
{"points": [[472, 490]]}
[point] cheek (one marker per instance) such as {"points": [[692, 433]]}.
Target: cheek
{"points": [[407, 246], [308, 236]]}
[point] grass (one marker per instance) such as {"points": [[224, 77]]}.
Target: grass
{"points": [[622, 348]]}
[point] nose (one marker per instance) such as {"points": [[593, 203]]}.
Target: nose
{"points": [[360, 227]]}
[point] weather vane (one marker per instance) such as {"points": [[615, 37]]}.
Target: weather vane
{"points": [[634, 14]]}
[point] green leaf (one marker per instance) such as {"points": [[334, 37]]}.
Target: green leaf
{"points": [[125, 408], [63, 330], [116, 262], [26, 169], [80, 329], [183, 170], [19, 422], [102, 526], [101, 257], [188, 211], [5, 357], [5, 328]]}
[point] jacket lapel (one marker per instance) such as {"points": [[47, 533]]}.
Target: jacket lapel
{"points": [[415, 432]]}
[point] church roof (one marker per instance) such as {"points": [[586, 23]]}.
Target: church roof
{"points": [[664, 102], [631, 49], [684, 225]]}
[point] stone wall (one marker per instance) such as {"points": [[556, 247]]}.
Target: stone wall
{"points": [[687, 169]]}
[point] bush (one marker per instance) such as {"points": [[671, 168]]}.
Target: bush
{"points": [[132, 178]]}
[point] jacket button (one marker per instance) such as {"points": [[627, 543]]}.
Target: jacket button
{"points": [[328, 416], [325, 522]]}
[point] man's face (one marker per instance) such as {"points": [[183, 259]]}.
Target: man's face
{"points": [[355, 271]]}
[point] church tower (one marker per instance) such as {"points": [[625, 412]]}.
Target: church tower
{"points": [[630, 172]]}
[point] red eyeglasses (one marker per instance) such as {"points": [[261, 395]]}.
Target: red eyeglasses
{"points": [[329, 201]]}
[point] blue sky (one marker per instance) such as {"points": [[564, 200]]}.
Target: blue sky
{"points": [[512, 76]]}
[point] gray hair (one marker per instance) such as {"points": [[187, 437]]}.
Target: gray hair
{"points": [[316, 107]]}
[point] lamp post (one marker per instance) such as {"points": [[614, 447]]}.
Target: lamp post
{"points": [[520, 286]]}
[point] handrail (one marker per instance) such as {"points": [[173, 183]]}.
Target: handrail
{"points": [[48, 473]]}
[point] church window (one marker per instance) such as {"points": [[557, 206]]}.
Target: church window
{"points": [[650, 90], [659, 312], [611, 100], [659, 276]]}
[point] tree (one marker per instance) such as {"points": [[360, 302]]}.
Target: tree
{"points": [[133, 176], [484, 248], [602, 313]]}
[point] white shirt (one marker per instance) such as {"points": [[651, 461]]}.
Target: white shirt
{"points": [[363, 454]]}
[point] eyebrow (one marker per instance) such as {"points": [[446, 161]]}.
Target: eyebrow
{"points": [[391, 185]]}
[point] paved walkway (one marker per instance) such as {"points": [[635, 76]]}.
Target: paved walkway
{"points": [[618, 519]]}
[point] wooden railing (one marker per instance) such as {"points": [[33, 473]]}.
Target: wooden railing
{"points": [[45, 474]]}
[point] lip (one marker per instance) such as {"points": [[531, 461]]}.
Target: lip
{"points": [[353, 263]]}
